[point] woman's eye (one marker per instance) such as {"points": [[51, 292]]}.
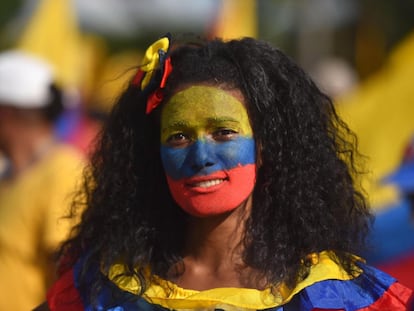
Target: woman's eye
{"points": [[177, 140], [224, 134]]}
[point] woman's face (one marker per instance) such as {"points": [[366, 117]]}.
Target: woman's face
{"points": [[207, 149]]}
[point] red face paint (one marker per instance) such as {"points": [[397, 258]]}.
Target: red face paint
{"points": [[234, 187]]}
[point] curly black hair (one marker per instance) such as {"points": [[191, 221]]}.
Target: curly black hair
{"points": [[305, 199]]}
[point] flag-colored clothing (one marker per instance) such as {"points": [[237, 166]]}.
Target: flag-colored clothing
{"points": [[328, 287]]}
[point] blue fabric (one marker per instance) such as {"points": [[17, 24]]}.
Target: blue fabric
{"points": [[392, 235], [110, 298], [330, 294], [402, 177], [347, 295]]}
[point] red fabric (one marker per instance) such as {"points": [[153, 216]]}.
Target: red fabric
{"points": [[401, 268], [154, 100], [138, 77], [167, 71], [63, 295], [157, 96], [395, 298]]}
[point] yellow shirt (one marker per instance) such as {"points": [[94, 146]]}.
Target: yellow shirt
{"points": [[31, 207]]}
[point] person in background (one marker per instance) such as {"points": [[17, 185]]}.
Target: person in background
{"points": [[223, 180], [38, 176]]}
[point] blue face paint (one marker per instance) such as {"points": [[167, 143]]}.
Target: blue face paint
{"points": [[206, 157]]}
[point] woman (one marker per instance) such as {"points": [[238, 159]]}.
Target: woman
{"points": [[223, 180]]}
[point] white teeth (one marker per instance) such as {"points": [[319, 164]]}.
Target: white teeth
{"points": [[208, 183]]}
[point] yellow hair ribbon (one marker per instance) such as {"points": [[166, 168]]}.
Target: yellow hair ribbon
{"points": [[152, 59]]}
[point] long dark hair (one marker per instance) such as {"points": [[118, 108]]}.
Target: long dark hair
{"points": [[304, 200]]}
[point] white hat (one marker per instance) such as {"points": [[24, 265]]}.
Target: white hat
{"points": [[24, 80]]}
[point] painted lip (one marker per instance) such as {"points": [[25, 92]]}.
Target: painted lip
{"points": [[206, 184]]}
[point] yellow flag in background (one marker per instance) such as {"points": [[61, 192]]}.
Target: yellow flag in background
{"points": [[52, 33], [113, 77], [381, 112], [235, 19]]}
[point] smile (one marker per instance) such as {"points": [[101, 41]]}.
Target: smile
{"points": [[207, 183]]}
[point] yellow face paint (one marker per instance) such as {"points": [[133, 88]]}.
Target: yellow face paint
{"points": [[201, 109]]}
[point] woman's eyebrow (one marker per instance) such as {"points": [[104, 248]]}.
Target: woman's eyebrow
{"points": [[183, 124], [176, 125], [216, 120]]}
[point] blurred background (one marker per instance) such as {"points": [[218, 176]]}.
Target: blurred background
{"points": [[360, 52]]}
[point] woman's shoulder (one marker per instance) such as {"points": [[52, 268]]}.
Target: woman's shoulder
{"points": [[329, 286]]}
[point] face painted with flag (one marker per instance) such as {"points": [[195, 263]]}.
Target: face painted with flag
{"points": [[207, 150]]}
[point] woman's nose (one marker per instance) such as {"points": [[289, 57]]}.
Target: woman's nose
{"points": [[201, 156]]}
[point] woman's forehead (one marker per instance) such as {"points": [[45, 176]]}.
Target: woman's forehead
{"points": [[207, 95], [201, 105], [201, 99]]}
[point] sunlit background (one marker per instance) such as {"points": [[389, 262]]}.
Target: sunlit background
{"points": [[361, 52]]}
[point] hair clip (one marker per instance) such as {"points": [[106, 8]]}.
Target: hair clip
{"points": [[152, 76]]}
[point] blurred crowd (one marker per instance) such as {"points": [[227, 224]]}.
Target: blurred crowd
{"points": [[37, 176]]}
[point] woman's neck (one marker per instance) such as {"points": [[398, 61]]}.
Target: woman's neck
{"points": [[213, 252]]}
